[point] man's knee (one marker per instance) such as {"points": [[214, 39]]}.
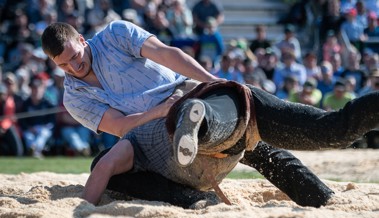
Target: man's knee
{"points": [[98, 157]]}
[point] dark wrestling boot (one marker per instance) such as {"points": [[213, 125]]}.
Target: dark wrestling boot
{"points": [[154, 187], [288, 174]]}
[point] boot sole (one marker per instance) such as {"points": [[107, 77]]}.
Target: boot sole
{"points": [[185, 137]]}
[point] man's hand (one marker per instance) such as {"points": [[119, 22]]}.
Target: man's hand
{"points": [[218, 79], [165, 106]]}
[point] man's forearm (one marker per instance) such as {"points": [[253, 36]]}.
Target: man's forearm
{"points": [[95, 186], [191, 68]]}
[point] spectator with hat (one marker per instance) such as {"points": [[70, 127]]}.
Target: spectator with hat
{"points": [[269, 62], [353, 30]]}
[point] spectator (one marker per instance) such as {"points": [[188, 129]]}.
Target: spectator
{"points": [[38, 9], [76, 20], [336, 61], [180, 19], [373, 82], [372, 29], [332, 20], [162, 27], [36, 128], [100, 16], [24, 56], [353, 30], [351, 83], [370, 60], [309, 94], [207, 63], [48, 19], [65, 9], [361, 13], [71, 131], [353, 69], [290, 42], [204, 9], [157, 23], [211, 42], [11, 143], [290, 68], [227, 70], [311, 67], [119, 6], [19, 34], [260, 40], [132, 16], [11, 82], [326, 84], [23, 78], [337, 98], [296, 15], [330, 46], [290, 86], [253, 74], [268, 63]]}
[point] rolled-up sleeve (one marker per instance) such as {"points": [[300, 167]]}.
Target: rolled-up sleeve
{"points": [[86, 111]]}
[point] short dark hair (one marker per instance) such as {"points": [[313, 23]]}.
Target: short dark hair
{"points": [[55, 36]]}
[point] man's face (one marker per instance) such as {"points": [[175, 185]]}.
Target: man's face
{"points": [[75, 60]]}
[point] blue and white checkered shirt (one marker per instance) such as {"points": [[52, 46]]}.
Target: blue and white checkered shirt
{"points": [[130, 82]]}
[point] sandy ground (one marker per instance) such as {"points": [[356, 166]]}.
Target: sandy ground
{"points": [[352, 174]]}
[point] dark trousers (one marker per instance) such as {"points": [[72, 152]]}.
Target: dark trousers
{"points": [[300, 127]]}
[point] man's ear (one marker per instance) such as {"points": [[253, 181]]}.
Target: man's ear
{"points": [[82, 39]]}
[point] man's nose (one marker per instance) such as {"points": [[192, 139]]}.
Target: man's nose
{"points": [[74, 65]]}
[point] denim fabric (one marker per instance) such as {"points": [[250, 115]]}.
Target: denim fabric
{"points": [[76, 136]]}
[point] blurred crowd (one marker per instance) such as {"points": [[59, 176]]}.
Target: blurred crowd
{"points": [[336, 63]]}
